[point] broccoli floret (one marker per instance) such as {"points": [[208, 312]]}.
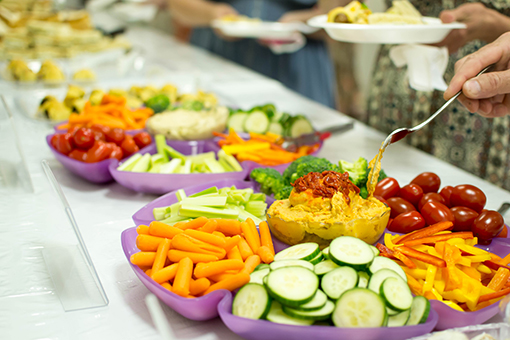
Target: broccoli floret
{"points": [[316, 165], [284, 192], [269, 179], [158, 103], [363, 192], [291, 169], [358, 171]]}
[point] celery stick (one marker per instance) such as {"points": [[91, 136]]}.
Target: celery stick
{"points": [[169, 168], [214, 166], [159, 213], [186, 168], [130, 162], [160, 146], [157, 159], [143, 164], [257, 208], [200, 158], [243, 215], [172, 153], [211, 190], [155, 168], [258, 197], [180, 194], [231, 160], [223, 191], [197, 211], [218, 201], [225, 165], [174, 219], [174, 209]]}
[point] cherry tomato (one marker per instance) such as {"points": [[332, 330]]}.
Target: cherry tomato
{"points": [[101, 128], [84, 138], [407, 222], [434, 212], [387, 188], [382, 200], [63, 143], [115, 136], [446, 192], [488, 225], [467, 195], [117, 153], [54, 141], [464, 218], [428, 181], [430, 196], [99, 152], [129, 146], [412, 193], [79, 155], [399, 205], [390, 221], [142, 139]]}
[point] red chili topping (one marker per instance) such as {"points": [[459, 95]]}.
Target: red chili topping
{"points": [[326, 184]]}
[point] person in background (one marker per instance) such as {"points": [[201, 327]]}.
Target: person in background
{"points": [[308, 71]]}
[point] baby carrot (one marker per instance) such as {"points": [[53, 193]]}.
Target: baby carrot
{"points": [[187, 243], [148, 272], [234, 254], [232, 242], [205, 237], [161, 253], [207, 269], [244, 249], [165, 274], [175, 255], [183, 277], [148, 242], [231, 283], [199, 286], [142, 229], [161, 229], [265, 236], [209, 227], [194, 224], [217, 233], [265, 254], [250, 264], [221, 276], [167, 286], [228, 226], [250, 234], [143, 258]]}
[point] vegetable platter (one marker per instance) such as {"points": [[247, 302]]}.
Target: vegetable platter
{"points": [[160, 183]]}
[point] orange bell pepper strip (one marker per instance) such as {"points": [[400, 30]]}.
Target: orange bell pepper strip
{"points": [[439, 238], [495, 295], [425, 232], [430, 259], [499, 280]]}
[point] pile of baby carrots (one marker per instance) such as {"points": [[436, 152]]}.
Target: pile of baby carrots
{"points": [[194, 258], [112, 112], [264, 149]]}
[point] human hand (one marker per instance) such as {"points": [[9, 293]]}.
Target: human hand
{"points": [[219, 11], [489, 93]]}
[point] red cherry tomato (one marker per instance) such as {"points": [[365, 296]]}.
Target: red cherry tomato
{"points": [[434, 212], [79, 155], [428, 181], [488, 225], [464, 218], [430, 196], [142, 139], [399, 205], [84, 138], [54, 141], [412, 193], [382, 200], [101, 128], [446, 192], [115, 136], [99, 152], [129, 146], [387, 188], [467, 195], [73, 129], [117, 153], [64, 144], [407, 222]]}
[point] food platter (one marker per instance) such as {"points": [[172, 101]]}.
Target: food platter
{"points": [[261, 29], [433, 31]]}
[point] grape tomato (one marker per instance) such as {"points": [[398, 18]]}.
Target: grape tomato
{"points": [[446, 192], [83, 138], [488, 225], [435, 212], [467, 195], [407, 222], [142, 139], [430, 196], [428, 181], [115, 135], [412, 193], [464, 218], [64, 143], [387, 188], [399, 205]]}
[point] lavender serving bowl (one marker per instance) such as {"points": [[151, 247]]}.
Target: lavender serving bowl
{"points": [[266, 330]]}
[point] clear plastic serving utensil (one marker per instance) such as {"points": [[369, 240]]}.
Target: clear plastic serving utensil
{"points": [[400, 133]]}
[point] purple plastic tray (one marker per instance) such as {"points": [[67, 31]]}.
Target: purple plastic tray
{"points": [[163, 183], [266, 330]]}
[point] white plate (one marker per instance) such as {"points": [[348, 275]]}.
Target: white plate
{"points": [[433, 31], [261, 29]]}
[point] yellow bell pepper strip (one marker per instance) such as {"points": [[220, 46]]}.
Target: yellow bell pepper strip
{"points": [[478, 258], [471, 250], [433, 295], [452, 279], [484, 269], [439, 238], [416, 273], [235, 149], [472, 273], [414, 285], [452, 305], [499, 280], [429, 278]]}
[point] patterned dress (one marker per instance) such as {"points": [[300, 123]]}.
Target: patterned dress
{"points": [[476, 144]]}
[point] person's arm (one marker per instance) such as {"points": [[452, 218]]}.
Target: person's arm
{"points": [[482, 24], [489, 93], [198, 13]]}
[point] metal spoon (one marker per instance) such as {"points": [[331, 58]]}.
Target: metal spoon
{"points": [[400, 133]]}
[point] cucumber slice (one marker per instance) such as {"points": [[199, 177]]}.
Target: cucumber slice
{"points": [[277, 315], [317, 259], [400, 319], [292, 286], [324, 267], [318, 301], [396, 293], [299, 125], [325, 252], [391, 312], [339, 280], [384, 262], [252, 302], [259, 275], [303, 251], [276, 128], [359, 307], [419, 311], [378, 278], [261, 266], [236, 121], [375, 250], [289, 263], [256, 122], [351, 251], [316, 315], [363, 279]]}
